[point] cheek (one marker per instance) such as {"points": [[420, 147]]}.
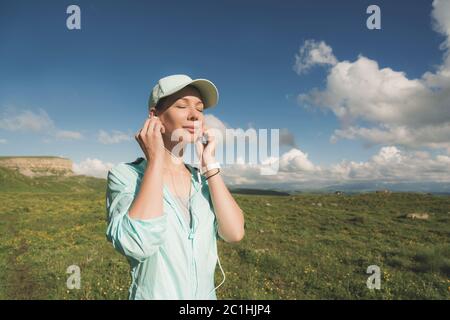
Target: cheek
{"points": [[173, 121]]}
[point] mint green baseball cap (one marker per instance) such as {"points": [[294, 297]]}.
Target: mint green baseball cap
{"points": [[171, 84]]}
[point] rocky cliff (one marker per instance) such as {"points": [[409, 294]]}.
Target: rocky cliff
{"points": [[38, 166]]}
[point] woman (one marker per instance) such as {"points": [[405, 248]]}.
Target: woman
{"points": [[164, 215]]}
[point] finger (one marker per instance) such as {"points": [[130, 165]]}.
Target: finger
{"points": [[141, 144], [209, 135], [145, 127], [199, 144], [137, 136], [151, 126], [157, 127]]}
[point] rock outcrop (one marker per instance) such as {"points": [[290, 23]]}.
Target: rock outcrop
{"points": [[418, 215], [39, 165]]}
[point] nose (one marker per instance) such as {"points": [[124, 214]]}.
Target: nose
{"points": [[194, 114]]}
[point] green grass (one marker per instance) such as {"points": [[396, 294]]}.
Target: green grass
{"points": [[292, 249]]}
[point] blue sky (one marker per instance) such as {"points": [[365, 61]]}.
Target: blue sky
{"points": [[99, 77]]}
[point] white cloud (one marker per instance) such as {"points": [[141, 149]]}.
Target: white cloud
{"points": [[383, 106], [114, 137], [441, 23], [92, 167], [388, 155], [71, 135], [436, 137], [212, 121], [313, 53], [26, 121], [3, 141], [390, 164], [441, 18], [296, 160]]}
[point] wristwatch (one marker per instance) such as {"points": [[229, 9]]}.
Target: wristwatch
{"points": [[210, 166]]}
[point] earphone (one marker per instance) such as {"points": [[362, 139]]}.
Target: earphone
{"points": [[223, 273]]}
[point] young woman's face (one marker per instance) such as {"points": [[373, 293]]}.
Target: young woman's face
{"points": [[183, 112]]}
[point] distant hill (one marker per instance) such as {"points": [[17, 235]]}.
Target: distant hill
{"points": [[431, 187], [13, 181], [35, 166], [265, 192], [362, 187]]}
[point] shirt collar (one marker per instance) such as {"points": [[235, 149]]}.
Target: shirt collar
{"points": [[141, 164]]}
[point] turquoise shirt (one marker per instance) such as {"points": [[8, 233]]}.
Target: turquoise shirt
{"points": [[168, 258]]}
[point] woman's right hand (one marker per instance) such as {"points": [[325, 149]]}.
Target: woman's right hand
{"points": [[150, 138]]}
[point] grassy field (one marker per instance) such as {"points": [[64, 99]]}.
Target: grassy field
{"points": [[308, 246]]}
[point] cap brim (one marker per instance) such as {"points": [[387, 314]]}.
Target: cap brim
{"points": [[208, 90]]}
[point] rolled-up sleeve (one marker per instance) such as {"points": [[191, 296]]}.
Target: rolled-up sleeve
{"points": [[134, 238], [216, 222]]}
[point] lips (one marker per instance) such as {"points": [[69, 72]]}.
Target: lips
{"points": [[191, 129]]}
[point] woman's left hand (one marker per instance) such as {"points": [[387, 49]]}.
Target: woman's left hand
{"points": [[206, 152]]}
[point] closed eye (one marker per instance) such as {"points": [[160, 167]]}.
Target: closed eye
{"points": [[184, 107]]}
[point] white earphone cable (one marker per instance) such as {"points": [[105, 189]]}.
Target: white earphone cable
{"points": [[224, 277]]}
